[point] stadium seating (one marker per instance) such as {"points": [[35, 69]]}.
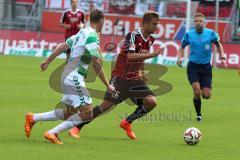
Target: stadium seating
{"points": [[179, 10]]}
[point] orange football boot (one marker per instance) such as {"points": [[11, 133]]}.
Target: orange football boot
{"points": [[127, 127], [74, 132], [53, 138], [29, 123]]}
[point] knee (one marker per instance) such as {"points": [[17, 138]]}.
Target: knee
{"points": [[197, 93], [86, 116], [90, 116], [150, 102], [206, 95]]}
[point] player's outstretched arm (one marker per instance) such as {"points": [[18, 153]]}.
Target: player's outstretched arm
{"points": [[180, 55], [56, 52], [143, 55], [97, 65], [221, 52], [81, 25]]}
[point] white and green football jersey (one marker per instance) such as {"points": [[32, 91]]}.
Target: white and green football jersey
{"points": [[84, 45]]}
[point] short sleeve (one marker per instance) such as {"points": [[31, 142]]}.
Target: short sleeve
{"points": [[153, 40], [92, 45], [185, 41], [132, 46], [215, 37], [83, 18], [70, 40], [63, 17], [129, 45]]}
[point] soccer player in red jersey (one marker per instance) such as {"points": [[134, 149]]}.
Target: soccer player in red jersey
{"points": [[127, 75], [72, 20]]}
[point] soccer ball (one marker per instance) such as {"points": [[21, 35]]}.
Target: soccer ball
{"points": [[192, 136]]}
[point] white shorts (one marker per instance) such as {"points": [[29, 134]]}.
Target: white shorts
{"points": [[74, 90]]}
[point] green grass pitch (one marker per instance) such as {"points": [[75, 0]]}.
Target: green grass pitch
{"points": [[24, 88]]}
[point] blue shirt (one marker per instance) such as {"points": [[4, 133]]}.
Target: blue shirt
{"points": [[200, 44]]}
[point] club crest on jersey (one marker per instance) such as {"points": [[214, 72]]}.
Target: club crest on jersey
{"points": [[207, 47]]}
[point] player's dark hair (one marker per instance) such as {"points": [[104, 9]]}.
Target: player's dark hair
{"points": [[198, 15], [96, 15], [148, 16], [71, 1]]}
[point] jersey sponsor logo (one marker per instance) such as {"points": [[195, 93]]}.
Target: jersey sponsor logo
{"points": [[72, 20]]}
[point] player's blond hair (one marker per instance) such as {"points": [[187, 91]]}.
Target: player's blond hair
{"points": [[198, 15], [148, 16]]}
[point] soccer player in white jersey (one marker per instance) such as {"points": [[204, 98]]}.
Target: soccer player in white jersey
{"points": [[76, 104]]}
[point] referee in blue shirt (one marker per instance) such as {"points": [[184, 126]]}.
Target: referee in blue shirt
{"points": [[199, 69]]}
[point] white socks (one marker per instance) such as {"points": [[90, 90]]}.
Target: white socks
{"points": [[72, 121], [49, 116]]}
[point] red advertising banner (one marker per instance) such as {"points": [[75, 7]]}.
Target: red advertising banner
{"points": [[42, 43], [25, 1], [116, 25]]}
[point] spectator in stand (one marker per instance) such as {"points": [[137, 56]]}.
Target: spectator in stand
{"points": [[141, 7], [72, 20], [161, 9]]}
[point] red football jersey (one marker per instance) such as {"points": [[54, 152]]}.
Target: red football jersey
{"points": [[74, 19], [134, 43]]}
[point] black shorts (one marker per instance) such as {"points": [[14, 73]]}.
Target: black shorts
{"points": [[201, 73], [136, 90]]}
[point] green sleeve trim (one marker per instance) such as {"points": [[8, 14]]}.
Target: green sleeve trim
{"points": [[94, 53], [92, 40]]}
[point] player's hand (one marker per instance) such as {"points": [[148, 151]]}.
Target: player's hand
{"points": [[111, 89], [223, 62], [44, 65], [179, 62], [80, 26], [144, 78], [158, 51], [68, 26]]}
